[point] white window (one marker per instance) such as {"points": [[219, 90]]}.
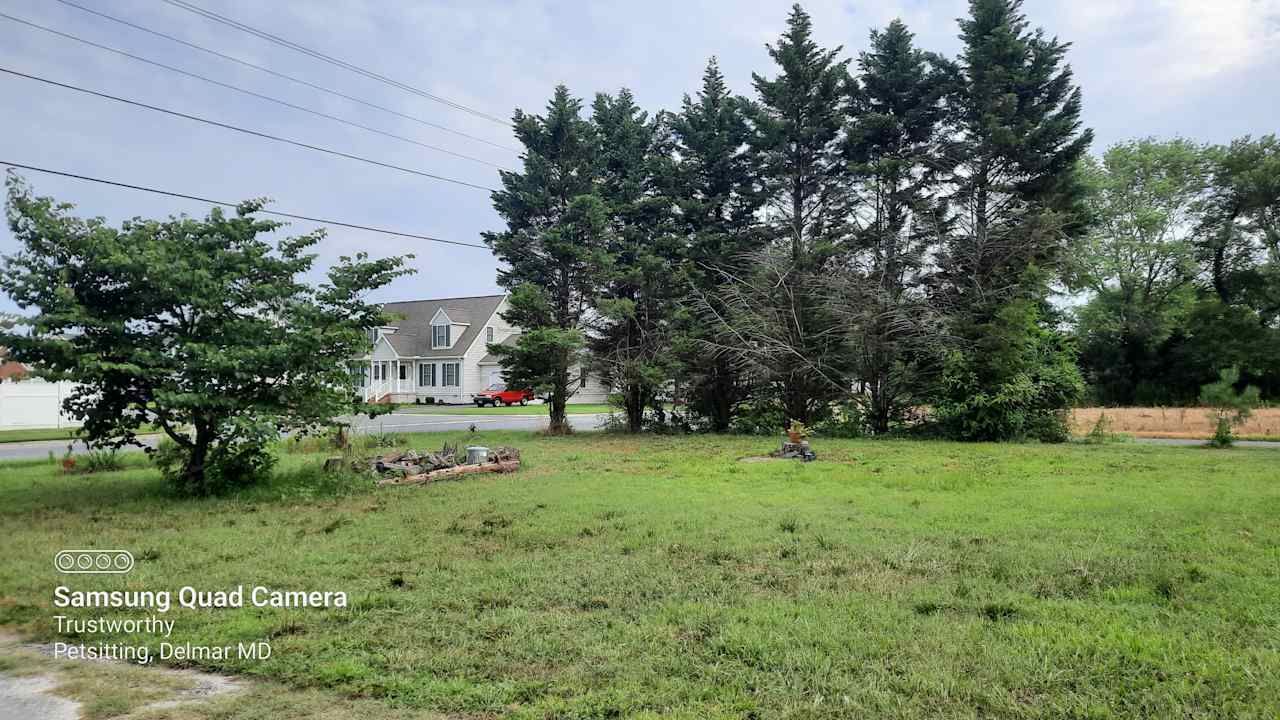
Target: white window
{"points": [[488, 334], [451, 375], [427, 374], [439, 336], [379, 371]]}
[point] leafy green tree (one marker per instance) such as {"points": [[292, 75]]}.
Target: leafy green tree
{"points": [[1240, 231], [712, 180], [894, 141], [199, 327], [1229, 407], [1138, 261], [782, 321], [1016, 201], [555, 250]]}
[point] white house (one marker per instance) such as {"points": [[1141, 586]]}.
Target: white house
{"points": [[438, 349]]}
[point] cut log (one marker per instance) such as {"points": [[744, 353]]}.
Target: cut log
{"points": [[453, 472]]}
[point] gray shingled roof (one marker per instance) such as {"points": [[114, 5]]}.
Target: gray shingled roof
{"points": [[413, 324], [509, 341]]}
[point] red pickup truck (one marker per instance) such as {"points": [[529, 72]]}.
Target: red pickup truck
{"points": [[499, 395]]}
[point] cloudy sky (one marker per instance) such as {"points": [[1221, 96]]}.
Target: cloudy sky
{"points": [[1203, 70]]}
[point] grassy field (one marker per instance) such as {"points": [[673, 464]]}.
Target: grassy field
{"points": [[33, 434], [25, 435], [686, 578], [1174, 422], [535, 408]]}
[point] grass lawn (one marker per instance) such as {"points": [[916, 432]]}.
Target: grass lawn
{"points": [[534, 408], [24, 435], [664, 577], [10, 436]]}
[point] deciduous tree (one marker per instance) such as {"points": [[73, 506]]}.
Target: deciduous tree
{"points": [[199, 327]]}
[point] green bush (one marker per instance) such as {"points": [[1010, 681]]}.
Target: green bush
{"points": [[1018, 382], [1229, 407], [230, 466], [102, 460], [846, 421], [759, 417]]}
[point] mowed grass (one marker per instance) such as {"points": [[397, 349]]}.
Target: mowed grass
{"points": [[665, 577]]}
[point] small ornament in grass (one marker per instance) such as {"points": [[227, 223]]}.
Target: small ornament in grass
{"points": [[797, 432]]}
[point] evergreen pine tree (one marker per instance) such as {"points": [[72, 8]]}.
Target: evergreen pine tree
{"points": [[894, 146], [779, 314], [712, 182], [633, 317], [1017, 207], [554, 249]]}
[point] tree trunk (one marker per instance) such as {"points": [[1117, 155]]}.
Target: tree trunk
{"points": [[634, 403], [723, 395], [559, 424], [193, 470]]}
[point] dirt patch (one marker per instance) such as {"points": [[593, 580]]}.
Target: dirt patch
{"points": [[29, 698], [37, 696]]}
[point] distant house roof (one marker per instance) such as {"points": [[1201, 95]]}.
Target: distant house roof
{"points": [[508, 341], [9, 369], [412, 337]]}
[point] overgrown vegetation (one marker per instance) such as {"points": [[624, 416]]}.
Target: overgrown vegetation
{"points": [[622, 576]]}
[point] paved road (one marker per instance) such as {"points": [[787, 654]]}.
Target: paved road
{"points": [[395, 422], [411, 422]]}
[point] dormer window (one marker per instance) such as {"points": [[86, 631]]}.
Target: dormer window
{"points": [[488, 334], [439, 336]]}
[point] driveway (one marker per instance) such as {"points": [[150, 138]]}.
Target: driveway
{"points": [[395, 422]]}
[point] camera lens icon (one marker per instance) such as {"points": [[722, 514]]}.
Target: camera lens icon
{"points": [[73, 562]]}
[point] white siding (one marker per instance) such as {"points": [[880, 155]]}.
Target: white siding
{"points": [[594, 392], [34, 403]]}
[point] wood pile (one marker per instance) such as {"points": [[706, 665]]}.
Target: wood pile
{"points": [[413, 468]]}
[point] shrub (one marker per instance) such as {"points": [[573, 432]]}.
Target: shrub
{"points": [[1229, 407], [846, 421], [229, 466], [759, 417], [102, 460], [1017, 383]]}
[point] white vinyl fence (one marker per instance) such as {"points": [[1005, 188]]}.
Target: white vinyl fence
{"points": [[34, 404]]}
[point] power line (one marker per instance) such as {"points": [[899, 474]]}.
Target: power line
{"points": [[247, 131], [283, 76], [293, 216], [210, 15], [261, 96]]}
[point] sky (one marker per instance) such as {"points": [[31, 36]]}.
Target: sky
{"points": [[1209, 71]]}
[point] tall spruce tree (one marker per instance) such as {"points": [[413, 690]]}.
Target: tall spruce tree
{"points": [[894, 146], [633, 319], [554, 249], [712, 182], [1017, 203], [781, 317]]}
